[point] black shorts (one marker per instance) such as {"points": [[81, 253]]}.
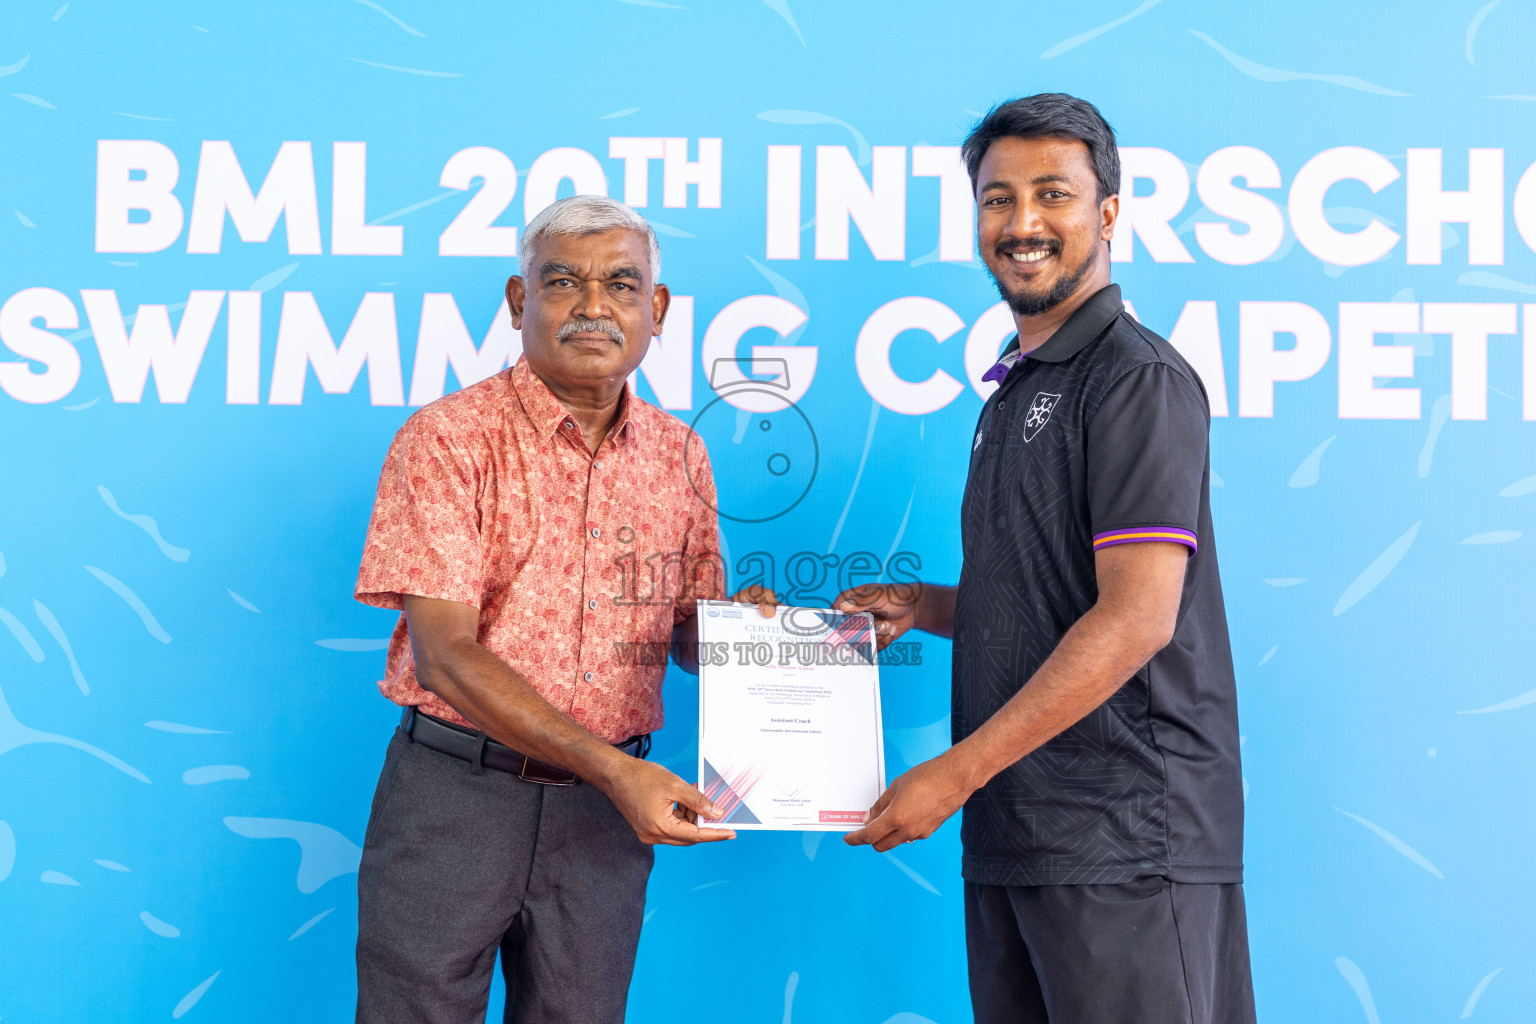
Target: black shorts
{"points": [[1150, 952]]}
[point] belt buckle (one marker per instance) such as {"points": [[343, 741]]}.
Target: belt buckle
{"points": [[544, 774]]}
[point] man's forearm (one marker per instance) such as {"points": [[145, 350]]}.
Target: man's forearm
{"points": [[685, 645], [488, 692], [1094, 659], [936, 610]]}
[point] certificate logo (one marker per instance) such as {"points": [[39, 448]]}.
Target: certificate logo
{"points": [[1039, 414]]}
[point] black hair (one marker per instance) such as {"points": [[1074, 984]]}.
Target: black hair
{"points": [[1048, 115]]}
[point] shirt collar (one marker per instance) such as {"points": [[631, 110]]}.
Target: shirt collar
{"points": [[1009, 360], [1084, 325], [549, 415]]}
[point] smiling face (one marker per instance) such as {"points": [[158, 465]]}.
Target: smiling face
{"points": [[588, 309], [1040, 224]]}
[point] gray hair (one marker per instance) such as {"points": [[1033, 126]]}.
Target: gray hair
{"points": [[584, 215]]}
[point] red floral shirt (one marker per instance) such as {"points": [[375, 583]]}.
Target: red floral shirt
{"points": [[580, 564]]}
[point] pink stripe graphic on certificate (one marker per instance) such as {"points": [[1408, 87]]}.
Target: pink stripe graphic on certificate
{"points": [[1146, 534], [853, 632], [728, 791]]}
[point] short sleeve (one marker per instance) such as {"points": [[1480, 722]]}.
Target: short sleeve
{"points": [[705, 576], [1147, 447], [424, 535]]}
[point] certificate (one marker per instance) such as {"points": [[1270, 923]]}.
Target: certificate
{"points": [[789, 717]]}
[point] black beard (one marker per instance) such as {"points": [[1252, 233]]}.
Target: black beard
{"points": [[1025, 304]]}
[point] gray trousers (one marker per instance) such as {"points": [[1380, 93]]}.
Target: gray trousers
{"points": [[1149, 952], [457, 866]]}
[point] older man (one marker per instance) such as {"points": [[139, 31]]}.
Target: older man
{"points": [[1095, 710], [515, 810]]}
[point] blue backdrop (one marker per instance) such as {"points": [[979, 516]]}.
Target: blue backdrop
{"points": [[189, 730]]}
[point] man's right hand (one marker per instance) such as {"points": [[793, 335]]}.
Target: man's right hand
{"points": [[659, 806], [893, 606]]}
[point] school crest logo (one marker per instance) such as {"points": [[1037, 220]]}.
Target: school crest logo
{"points": [[1039, 414]]}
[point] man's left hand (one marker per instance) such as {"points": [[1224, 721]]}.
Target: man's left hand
{"points": [[915, 805], [766, 600]]}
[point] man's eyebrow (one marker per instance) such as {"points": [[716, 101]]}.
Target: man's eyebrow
{"points": [[1041, 179], [556, 268]]}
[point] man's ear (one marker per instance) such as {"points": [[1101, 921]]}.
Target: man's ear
{"points": [[1109, 213], [517, 295], [661, 301]]}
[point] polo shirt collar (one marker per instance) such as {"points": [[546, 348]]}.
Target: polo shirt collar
{"points": [[549, 414], [1084, 325]]}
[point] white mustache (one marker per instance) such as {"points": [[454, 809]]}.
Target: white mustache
{"points": [[607, 327]]}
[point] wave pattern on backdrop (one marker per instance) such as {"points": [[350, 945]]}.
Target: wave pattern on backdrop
{"points": [[241, 242]]}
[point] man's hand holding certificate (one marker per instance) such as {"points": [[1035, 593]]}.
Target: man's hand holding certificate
{"points": [[789, 717]]}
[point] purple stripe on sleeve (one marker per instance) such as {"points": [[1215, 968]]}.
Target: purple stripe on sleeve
{"points": [[1145, 535]]}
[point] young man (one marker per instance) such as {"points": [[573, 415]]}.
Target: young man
{"points": [[1095, 712], [515, 810]]}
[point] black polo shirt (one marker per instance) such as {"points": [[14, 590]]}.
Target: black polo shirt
{"points": [[1098, 437]]}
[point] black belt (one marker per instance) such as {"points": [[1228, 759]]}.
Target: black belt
{"points": [[483, 752]]}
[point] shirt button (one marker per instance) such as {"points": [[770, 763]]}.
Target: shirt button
{"points": [[597, 465], [587, 677], [569, 425], [596, 532], [592, 604], [1002, 403]]}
